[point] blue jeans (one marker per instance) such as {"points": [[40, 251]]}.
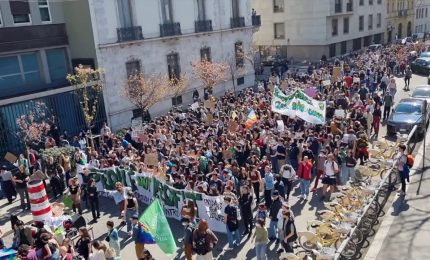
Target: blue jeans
{"points": [[304, 187], [275, 165], [273, 228], [128, 214], [233, 237], [260, 251]]}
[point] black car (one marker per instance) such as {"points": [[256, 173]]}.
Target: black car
{"points": [[421, 66], [408, 113]]}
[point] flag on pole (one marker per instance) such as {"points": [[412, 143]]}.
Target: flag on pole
{"points": [[157, 226], [251, 119]]}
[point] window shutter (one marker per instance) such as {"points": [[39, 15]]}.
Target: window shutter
{"points": [[19, 7]]}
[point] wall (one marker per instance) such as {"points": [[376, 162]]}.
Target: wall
{"points": [[152, 54], [79, 30]]}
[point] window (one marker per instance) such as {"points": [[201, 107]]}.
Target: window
{"points": [[132, 67], [370, 21], [125, 13], [1, 21], [20, 11], [20, 70], [205, 54], [346, 25], [177, 101], [361, 23], [334, 27], [379, 2], [426, 12], [201, 10], [239, 56], [361, 3], [240, 81], [370, 2], [332, 50], [235, 8], [279, 31], [173, 66], [45, 15], [167, 11], [57, 64], [337, 6], [343, 47], [278, 6], [378, 20], [417, 15]]}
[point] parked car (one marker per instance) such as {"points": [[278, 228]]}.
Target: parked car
{"points": [[425, 54], [422, 92], [408, 113], [374, 47], [421, 66]]}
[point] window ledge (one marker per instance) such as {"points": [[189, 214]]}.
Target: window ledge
{"points": [[108, 45]]}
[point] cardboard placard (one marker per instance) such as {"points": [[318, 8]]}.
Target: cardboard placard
{"points": [[336, 74], [136, 123], [234, 115], [356, 80], [232, 126], [326, 83], [151, 159], [340, 113], [209, 104], [195, 105], [209, 119], [38, 176], [10, 157], [281, 126]]}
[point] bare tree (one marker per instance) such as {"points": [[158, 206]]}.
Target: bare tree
{"points": [[209, 73]]}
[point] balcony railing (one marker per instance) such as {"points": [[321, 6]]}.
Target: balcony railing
{"points": [[278, 9], [237, 22], [403, 13], [337, 8], [203, 26], [129, 33], [170, 29], [256, 20], [349, 7]]}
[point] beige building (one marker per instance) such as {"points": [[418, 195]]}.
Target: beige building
{"points": [[400, 19], [306, 30]]}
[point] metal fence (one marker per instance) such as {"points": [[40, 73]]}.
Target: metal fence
{"points": [[382, 194], [65, 108]]}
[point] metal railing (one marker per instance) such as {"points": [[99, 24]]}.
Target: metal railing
{"points": [[385, 186], [170, 29], [256, 20], [237, 22], [203, 26], [129, 33]]}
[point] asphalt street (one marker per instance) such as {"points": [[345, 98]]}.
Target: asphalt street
{"points": [[304, 212]]}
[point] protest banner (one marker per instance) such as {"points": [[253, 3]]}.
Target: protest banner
{"points": [[147, 187], [299, 105], [340, 113]]}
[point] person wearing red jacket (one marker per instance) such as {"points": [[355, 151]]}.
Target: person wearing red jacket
{"points": [[304, 174]]}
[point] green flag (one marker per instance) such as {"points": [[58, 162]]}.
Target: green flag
{"points": [[155, 220]]}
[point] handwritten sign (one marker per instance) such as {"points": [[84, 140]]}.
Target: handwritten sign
{"points": [[336, 74], [209, 119], [209, 104], [232, 126], [151, 159]]}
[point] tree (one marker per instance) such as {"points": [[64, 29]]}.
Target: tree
{"points": [[209, 73], [88, 85], [145, 91], [34, 126], [236, 66]]}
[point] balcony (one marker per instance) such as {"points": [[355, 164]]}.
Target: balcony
{"points": [[256, 20], [129, 33], [349, 7], [32, 37], [203, 26], [237, 22], [338, 8], [170, 29]]}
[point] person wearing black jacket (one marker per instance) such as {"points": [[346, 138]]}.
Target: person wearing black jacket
{"points": [[93, 198], [245, 202], [273, 215]]}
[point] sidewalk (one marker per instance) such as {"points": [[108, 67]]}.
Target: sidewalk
{"points": [[405, 229]]}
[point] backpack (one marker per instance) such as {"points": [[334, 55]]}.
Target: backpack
{"points": [[200, 244], [410, 160]]}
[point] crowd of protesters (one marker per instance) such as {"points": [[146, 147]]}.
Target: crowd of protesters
{"points": [[208, 149]]}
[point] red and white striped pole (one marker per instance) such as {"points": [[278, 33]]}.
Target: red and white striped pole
{"points": [[39, 202]]}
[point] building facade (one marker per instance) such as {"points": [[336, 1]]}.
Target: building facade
{"points": [[422, 18], [400, 19], [306, 30], [162, 37]]}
